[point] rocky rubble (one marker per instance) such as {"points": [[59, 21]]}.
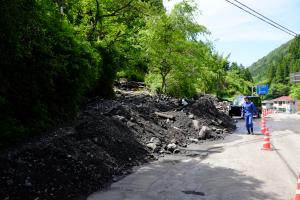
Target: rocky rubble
{"points": [[105, 141]]}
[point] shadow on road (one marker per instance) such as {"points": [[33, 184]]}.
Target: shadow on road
{"points": [[186, 179]]}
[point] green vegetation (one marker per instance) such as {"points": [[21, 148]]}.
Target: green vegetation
{"points": [[275, 68], [53, 54], [295, 91]]}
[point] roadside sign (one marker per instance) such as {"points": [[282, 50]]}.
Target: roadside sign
{"points": [[262, 89], [295, 77]]}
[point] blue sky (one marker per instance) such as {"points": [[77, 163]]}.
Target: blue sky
{"points": [[241, 35]]}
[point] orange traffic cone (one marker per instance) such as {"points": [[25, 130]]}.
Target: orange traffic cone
{"points": [[263, 130], [297, 197], [263, 126], [267, 143]]}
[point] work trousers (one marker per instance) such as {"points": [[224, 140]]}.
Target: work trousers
{"points": [[249, 122]]}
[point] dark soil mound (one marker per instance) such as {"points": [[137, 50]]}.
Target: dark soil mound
{"points": [[106, 140]]}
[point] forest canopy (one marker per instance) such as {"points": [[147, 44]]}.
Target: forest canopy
{"points": [[275, 68], [54, 54]]}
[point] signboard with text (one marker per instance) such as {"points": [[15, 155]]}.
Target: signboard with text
{"points": [[295, 77], [262, 89]]}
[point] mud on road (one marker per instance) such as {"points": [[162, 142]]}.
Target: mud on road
{"points": [[232, 169], [106, 139]]}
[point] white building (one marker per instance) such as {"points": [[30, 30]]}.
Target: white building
{"points": [[285, 104], [267, 104]]}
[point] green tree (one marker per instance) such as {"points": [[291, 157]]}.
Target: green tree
{"points": [[45, 69], [277, 90], [171, 44], [295, 91]]}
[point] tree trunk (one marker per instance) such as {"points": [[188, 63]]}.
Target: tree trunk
{"points": [[163, 84]]}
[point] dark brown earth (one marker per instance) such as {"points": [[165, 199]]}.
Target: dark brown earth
{"points": [[104, 142]]}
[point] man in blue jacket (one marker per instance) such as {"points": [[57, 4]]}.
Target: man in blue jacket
{"points": [[248, 110]]}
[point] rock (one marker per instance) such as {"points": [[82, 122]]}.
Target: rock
{"points": [[176, 151], [162, 151], [184, 102], [174, 141], [204, 133], [191, 116], [219, 131], [152, 146], [213, 122], [196, 124], [120, 118], [171, 147], [220, 121], [194, 140], [155, 140], [176, 128], [130, 124]]}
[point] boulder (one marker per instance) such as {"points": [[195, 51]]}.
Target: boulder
{"points": [[191, 116], [196, 124], [153, 147], [219, 131], [120, 118], [171, 147], [193, 140], [205, 132], [155, 140], [176, 151]]}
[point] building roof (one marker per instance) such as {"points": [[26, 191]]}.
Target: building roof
{"points": [[283, 98], [267, 101]]}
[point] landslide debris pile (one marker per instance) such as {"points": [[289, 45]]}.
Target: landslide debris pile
{"points": [[105, 141]]}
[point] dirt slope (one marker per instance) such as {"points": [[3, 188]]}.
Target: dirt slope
{"points": [[105, 141]]}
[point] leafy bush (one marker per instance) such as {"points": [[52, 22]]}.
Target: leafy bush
{"points": [[45, 69]]}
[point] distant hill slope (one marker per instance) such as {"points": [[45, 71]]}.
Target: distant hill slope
{"points": [[260, 68], [274, 68]]}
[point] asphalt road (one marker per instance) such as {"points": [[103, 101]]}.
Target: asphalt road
{"points": [[233, 169]]}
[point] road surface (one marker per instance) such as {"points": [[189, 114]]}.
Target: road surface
{"points": [[233, 169]]}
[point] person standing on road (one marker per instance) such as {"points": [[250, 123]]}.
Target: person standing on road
{"points": [[248, 109]]}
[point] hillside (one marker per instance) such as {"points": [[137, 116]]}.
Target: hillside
{"points": [[274, 68], [260, 68]]}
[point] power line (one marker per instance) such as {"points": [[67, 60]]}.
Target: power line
{"points": [[272, 24], [264, 17]]}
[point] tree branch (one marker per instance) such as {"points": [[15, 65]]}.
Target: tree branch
{"points": [[118, 10]]}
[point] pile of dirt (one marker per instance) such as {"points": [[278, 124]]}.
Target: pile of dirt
{"points": [[105, 141]]}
